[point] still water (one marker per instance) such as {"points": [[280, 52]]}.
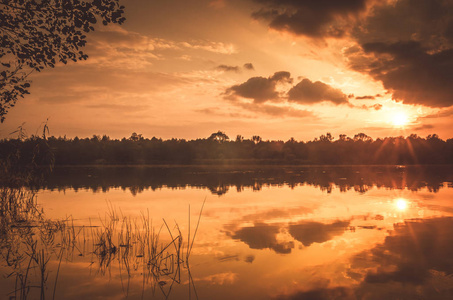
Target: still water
{"points": [[263, 233]]}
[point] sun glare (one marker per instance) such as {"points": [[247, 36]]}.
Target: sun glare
{"points": [[399, 119], [401, 204]]}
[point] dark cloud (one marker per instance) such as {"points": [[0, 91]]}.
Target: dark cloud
{"points": [[249, 258], [337, 293], [321, 18], [425, 21], [249, 66], [308, 92], [314, 232], [262, 236], [228, 258], [367, 97], [227, 68], [260, 89], [408, 46], [410, 72], [405, 44], [282, 76]]}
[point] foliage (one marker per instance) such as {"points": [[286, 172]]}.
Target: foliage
{"points": [[39, 33], [361, 149]]}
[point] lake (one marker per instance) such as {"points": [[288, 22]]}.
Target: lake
{"points": [[223, 232]]}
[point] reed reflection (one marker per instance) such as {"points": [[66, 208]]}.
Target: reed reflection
{"points": [[34, 249]]}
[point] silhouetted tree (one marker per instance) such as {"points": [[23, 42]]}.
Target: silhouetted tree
{"points": [[326, 138], [256, 139], [136, 137], [39, 33], [139, 150], [219, 136], [342, 137], [362, 137]]}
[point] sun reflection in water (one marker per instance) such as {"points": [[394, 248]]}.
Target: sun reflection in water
{"points": [[401, 204]]}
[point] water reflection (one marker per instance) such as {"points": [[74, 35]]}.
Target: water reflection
{"points": [[414, 262], [312, 234], [219, 180], [34, 247]]}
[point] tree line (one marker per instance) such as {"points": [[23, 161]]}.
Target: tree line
{"points": [[218, 148]]}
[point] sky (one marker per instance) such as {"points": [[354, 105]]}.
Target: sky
{"points": [[273, 68]]}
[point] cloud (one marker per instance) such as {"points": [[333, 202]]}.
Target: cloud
{"points": [[317, 19], [260, 89], [249, 258], [409, 71], [412, 250], [216, 47], [374, 106], [320, 294], [277, 213], [308, 92], [219, 278], [314, 232], [115, 47], [262, 236], [236, 69], [443, 113], [425, 21], [367, 97], [276, 111], [414, 260], [249, 66], [275, 89], [408, 46], [424, 126], [226, 68]]}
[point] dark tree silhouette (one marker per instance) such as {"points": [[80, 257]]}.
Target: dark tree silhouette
{"points": [[256, 139], [35, 34], [219, 136], [218, 149]]}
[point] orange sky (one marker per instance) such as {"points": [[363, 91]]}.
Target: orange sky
{"points": [[277, 69]]}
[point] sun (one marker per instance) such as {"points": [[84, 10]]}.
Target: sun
{"points": [[399, 119], [401, 204]]}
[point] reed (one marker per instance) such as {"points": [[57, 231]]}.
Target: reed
{"points": [[128, 244]]}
